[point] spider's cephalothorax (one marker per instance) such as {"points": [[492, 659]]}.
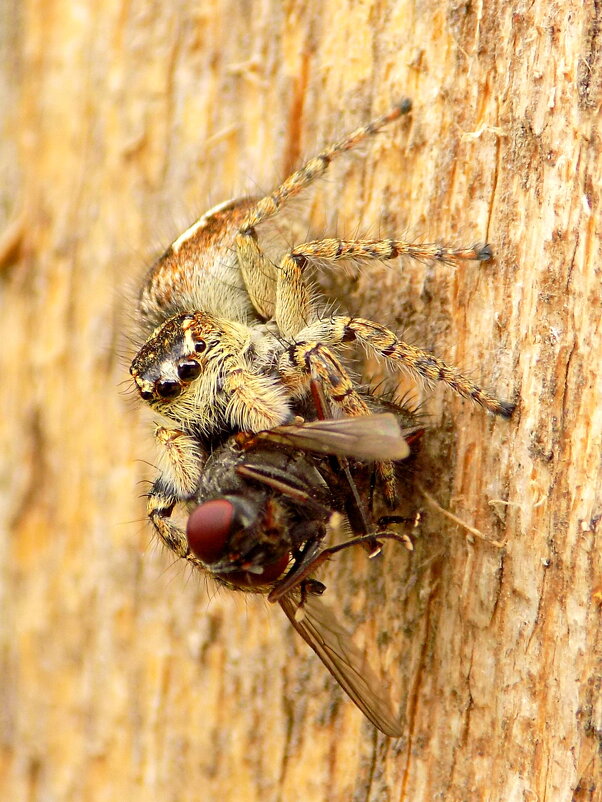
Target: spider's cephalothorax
{"points": [[233, 340]]}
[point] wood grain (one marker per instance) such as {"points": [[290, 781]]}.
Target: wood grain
{"points": [[123, 676]]}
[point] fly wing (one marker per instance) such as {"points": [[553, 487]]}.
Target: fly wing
{"points": [[332, 643], [368, 437]]}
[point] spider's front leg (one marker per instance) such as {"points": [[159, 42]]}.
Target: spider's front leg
{"points": [[159, 507], [339, 329], [313, 360], [181, 461]]}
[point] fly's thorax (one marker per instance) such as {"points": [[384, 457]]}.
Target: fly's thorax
{"points": [[199, 270], [222, 475]]}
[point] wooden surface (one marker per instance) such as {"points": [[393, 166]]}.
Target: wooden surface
{"points": [[123, 676]]}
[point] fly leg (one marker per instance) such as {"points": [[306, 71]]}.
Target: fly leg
{"points": [[300, 573]]}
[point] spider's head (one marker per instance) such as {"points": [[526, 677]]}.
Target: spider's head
{"points": [[171, 359], [203, 373]]}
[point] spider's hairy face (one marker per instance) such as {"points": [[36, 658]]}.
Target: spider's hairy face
{"points": [[170, 360], [206, 374]]}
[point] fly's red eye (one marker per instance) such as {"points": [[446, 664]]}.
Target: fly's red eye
{"points": [[248, 579], [209, 527]]}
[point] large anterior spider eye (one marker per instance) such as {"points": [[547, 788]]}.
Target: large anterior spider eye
{"points": [[168, 389], [188, 370]]}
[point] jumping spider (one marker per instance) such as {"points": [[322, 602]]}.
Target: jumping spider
{"points": [[233, 340]]}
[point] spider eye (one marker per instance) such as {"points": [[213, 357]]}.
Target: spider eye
{"points": [[146, 395], [168, 389], [200, 346], [188, 370]]}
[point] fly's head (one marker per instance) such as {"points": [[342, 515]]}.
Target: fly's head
{"points": [[244, 542], [174, 371]]}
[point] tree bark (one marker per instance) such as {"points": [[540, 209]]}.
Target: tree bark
{"points": [[125, 677]]}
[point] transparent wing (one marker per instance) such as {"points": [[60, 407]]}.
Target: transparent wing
{"points": [[333, 644], [369, 437]]}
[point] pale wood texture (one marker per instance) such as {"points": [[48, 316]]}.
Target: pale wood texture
{"points": [[122, 676]]}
